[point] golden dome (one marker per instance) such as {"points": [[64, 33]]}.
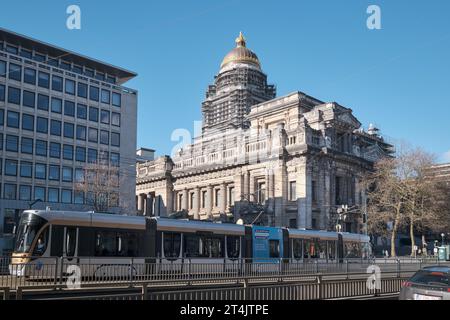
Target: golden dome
{"points": [[241, 54]]}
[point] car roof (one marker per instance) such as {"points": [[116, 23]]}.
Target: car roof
{"points": [[444, 269]]}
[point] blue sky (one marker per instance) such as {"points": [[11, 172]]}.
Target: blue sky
{"points": [[397, 77]]}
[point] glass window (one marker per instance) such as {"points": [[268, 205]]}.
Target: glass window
{"points": [[43, 80], [297, 248], [43, 102], [40, 171], [93, 93], [79, 175], [115, 139], [100, 76], [13, 119], [115, 159], [93, 135], [92, 155], [2, 92], [56, 105], [104, 117], [77, 69], [42, 125], [66, 65], [69, 108], [41, 148], [89, 72], [274, 248], [10, 167], [25, 193], [53, 62], [81, 132], [172, 245], [66, 196], [80, 154], [233, 247], [15, 72], [115, 119], [82, 90], [26, 169], [26, 53], [2, 68], [53, 173], [93, 114], [111, 79], [106, 96], [39, 193], [68, 130], [12, 143], [55, 128], [105, 244], [14, 95], [12, 49], [53, 195], [104, 157], [57, 83], [29, 99], [78, 197], [70, 87], [116, 99], [55, 150], [29, 76], [27, 145], [68, 152], [104, 137], [67, 174], [1, 148], [10, 191], [203, 246], [27, 122], [81, 111], [2, 117]]}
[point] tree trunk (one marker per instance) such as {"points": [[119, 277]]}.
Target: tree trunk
{"points": [[393, 236], [411, 234], [424, 247]]}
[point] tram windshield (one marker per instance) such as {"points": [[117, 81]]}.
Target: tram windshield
{"points": [[27, 232]]}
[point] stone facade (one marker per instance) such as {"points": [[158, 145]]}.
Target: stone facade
{"points": [[300, 157]]}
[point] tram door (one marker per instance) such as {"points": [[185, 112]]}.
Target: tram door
{"points": [[340, 248], [70, 249]]}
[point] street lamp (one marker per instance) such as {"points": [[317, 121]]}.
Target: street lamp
{"points": [[442, 235]]}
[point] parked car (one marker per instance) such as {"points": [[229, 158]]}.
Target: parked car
{"points": [[429, 283]]}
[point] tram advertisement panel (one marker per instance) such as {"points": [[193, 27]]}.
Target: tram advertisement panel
{"points": [[267, 244]]}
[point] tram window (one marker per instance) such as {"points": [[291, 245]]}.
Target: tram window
{"points": [[127, 244], [172, 245], [274, 248], [352, 250], [331, 249], [71, 241], [105, 244], [203, 247], [233, 247], [322, 249], [297, 248], [309, 249], [41, 244]]}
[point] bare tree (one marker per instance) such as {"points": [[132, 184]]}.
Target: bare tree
{"points": [[401, 194], [100, 186]]}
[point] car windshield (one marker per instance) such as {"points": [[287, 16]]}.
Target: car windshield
{"points": [[432, 278], [28, 228]]}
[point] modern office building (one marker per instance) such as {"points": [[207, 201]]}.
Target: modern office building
{"points": [[295, 158], [60, 111]]}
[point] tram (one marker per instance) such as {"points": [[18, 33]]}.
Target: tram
{"points": [[94, 241]]}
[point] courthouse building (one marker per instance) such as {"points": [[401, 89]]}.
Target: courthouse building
{"points": [[300, 158], [60, 110]]}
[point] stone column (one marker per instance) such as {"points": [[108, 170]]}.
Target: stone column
{"points": [[149, 205], [185, 202], [141, 200], [197, 203], [252, 188], [304, 216], [209, 201], [223, 199], [246, 186], [280, 193]]}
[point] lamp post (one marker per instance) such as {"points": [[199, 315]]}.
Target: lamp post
{"points": [[442, 235]]}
